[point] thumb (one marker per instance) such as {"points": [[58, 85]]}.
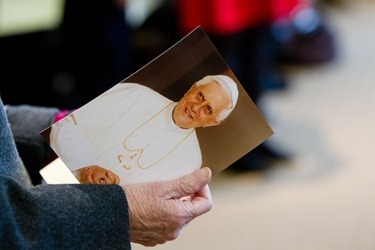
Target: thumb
{"points": [[191, 183]]}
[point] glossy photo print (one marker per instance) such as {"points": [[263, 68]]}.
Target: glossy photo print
{"points": [[183, 110]]}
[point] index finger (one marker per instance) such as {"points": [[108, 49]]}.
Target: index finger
{"points": [[201, 202]]}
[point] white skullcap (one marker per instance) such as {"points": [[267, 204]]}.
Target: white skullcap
{"points": [[229, 86]]}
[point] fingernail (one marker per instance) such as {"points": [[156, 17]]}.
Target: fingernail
{"points": [[205, 173]]}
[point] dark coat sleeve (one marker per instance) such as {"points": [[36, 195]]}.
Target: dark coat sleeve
{"points": [[26, 123], [63, 217]]}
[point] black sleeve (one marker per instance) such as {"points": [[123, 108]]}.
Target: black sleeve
{"points": [[63, 217]]}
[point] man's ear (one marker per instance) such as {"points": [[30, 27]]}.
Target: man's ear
{"points": [[211, 123]]}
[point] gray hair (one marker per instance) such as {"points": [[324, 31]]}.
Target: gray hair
{"points": [[229, 87]]}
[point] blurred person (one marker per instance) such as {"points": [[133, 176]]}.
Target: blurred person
{"points": [[253, 36], [71, 64], [67, 66], [94, 49], [133, 134], [89, 216]]}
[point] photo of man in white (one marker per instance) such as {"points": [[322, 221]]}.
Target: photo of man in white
{"points": [[133, 134]]}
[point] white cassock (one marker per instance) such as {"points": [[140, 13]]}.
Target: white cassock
{"points": [[129, 130]]}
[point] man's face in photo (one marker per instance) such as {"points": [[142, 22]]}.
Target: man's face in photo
{"points": [[200, 106]]}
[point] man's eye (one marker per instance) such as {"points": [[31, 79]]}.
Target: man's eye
{"points": [[200, 96], [209, 109]]}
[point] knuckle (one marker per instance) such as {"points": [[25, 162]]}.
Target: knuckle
{"points": [[173, 235], [209, 206]]}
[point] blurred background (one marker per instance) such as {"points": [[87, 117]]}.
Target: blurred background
{"points": [[308, 65]]}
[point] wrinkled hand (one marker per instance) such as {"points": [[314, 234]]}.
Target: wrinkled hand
{"points": [[158, 211], [98, 175]]}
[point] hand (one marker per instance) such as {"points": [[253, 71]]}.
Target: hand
{"points": [[158, 211], [98, 175]]}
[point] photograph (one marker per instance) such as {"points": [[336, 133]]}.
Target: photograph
{"points": [[182, 111]]}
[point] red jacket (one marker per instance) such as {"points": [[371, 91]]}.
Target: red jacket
{"points": [[230, 16]]}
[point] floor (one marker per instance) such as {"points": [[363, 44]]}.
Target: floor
{"points": [[322, 198]]}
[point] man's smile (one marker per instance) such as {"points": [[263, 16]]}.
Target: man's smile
{"points": [[188, 113]]}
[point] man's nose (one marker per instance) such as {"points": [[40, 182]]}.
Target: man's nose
{"points": [[198, 106]]}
